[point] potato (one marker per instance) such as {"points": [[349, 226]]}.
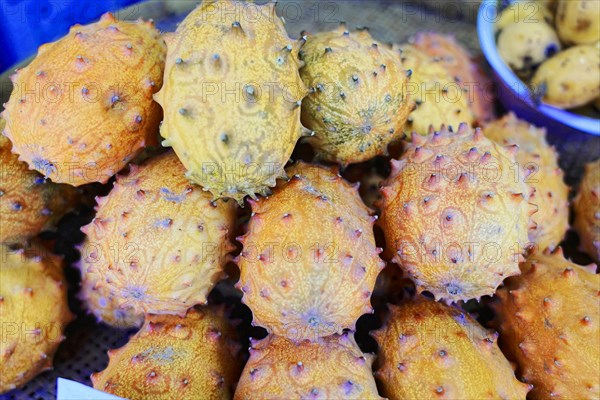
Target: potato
{"points": [[578, 21], [571, 78], [549, 4], [524, 11], [525, 45]]}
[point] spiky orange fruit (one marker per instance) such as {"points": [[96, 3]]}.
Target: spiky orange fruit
{"points": [[171, 357], [549, 321], [358, 103], [454, 216], [103, 304], [232, 97], [29, 203], [331, 368], [538, 166], [83, 107], [158, 244], [586, 207], [309, 261], [455, 58], [429, 350], [34, 314], [439, 99]]}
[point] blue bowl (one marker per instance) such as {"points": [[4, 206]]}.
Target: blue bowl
{"points": [[515, 95], [26, 24]]}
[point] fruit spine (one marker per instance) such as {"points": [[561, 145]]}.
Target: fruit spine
{"points": [[358, 99], [538, 166], [330, 368], [586, 207], [232, 115], [454, 216], [309, 261], [158, 244], [29, 203], [549, 324], [430, 350], [34, 310], [83, 107], [191, 357]]}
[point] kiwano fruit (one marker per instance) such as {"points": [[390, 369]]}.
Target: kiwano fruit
{"points": [[549, 319], [465, 70], [34, 312], [172, 357], [357, 104], [83, 108], [586, 207], [454, 216], [231, 97], [158, 244], [29, 203], [438, 98], [538, 165], [309, 262], [428, 350], [333, 367]]}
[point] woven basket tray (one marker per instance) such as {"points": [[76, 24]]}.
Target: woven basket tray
{"points": [[84, 351]]}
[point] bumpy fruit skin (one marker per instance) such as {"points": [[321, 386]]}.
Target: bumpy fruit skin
{"points": [[358, 103], [29, 203], [34, 310], [538, 165], [309, 261], [439, 99], [525, 45], [466, 72], [571, 78], [171, 357], [104, 305], [454, 216], [157, 243], [429, 350], [232, 96], [577, 21], [586, 207], [92, 110], [331, 368], [549, 324]]}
